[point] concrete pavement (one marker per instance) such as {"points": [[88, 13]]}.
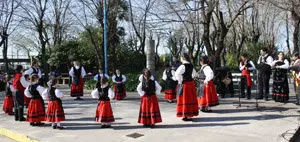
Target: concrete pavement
{"points": [[273, 122]]}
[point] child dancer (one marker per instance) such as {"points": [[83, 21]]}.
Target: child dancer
{"points": [[104, 113], [119, 86], [207, 94], [170, 89], [55, 111], [149, 109], [36, 108], [8, 102], [19, 94]]}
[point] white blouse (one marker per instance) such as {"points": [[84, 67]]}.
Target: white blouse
{"points": [[45, 94], [268, 61], [40, 89], [208, 72], [72, 74], [114, 78], [96, 76], [142, 93], [164, 77], [284, 66], [30, 71], [180, 71], [24, 82], [250, 69], [95, 93]]}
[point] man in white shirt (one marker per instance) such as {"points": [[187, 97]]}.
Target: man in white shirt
{"points": [[264, 72]]}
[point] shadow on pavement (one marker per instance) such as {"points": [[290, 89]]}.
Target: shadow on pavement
{"points": [[176, 126], [261, 117]]}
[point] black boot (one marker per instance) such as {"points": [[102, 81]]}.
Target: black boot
{"points": [[16, 114], [21, 114]]}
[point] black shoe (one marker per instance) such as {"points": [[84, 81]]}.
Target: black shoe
{"points": [[54, 127], [33, 124], [259, 98], [152, 126], [248, 98], [232, 95], [40, 124], [202, 109], [266, 99], [78, 99], [22, 119], [60, 127], [186, 119], [105, 126], [242, 96], [146, 125]]}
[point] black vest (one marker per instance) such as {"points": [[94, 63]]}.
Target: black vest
{"points": [[201, 74], [148, 87], [265, 68], [8, 91], [169, 74], [77, 72], [52, 96], [187, 75], [34, 92], [103, 93], [119, 78], [247, 63], [35, 71]]}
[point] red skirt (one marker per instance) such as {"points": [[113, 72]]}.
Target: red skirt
{"points": [[77, 90], [26, 101], [248, 77], [149, 110], [170, 94], [36, 111], [187, 105], [8, 105], [55, 111], [104, 113], [209, 97], [119, 96]]}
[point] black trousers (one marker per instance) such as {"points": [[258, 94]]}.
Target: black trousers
{"points": [[244, 85], [19, 105], [263, 85]]}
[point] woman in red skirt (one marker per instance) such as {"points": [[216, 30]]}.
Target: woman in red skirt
{"points": [[55, 111], [149, 109], [8, 103], [207, 94], [170, 87], [77, 73], [36, 107], [187, 105], [104, 113], [119, 87]]}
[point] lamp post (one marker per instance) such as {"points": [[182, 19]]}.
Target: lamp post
{"points": [[105, 35]]}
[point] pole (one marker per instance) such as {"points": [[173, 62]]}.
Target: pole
{"points": [[105, 36], [170, 44]]}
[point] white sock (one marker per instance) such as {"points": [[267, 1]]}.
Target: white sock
{"points": [[58, 124]]}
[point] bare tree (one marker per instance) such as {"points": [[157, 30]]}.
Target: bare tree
{"points": [[34, 16], [7, 18]]}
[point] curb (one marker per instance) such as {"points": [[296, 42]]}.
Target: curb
{"points": [[16, 136]]}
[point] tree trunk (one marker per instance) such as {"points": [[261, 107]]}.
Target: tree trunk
{"points": [[296, 33], [150, 63], [5, 48]]}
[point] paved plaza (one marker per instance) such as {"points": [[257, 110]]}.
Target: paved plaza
{"points": [[272, 122]]}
